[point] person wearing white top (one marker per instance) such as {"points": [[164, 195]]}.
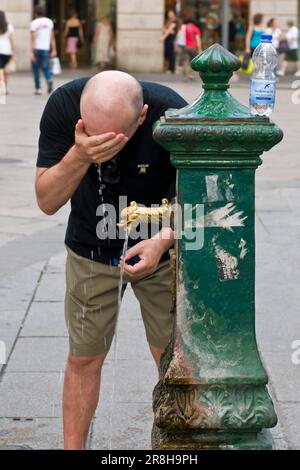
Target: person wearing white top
{"points": [[43, 46], [292, 37], [6, 52], [274, 30]]}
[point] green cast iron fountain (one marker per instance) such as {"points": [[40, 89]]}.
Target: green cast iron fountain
{"points": [[212, 392]]}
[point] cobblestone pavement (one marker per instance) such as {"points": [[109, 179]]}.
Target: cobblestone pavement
{"points": [[32, 290]]}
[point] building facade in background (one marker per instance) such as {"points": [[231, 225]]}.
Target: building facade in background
{"points": [[138, 24]]}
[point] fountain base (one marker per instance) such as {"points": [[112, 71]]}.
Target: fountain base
{"points": [[210, 440]]}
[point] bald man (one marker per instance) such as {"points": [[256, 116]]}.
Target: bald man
{"points": [[105, 120]]}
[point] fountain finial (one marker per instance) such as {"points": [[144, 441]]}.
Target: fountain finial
{"points": [[216, 66]]}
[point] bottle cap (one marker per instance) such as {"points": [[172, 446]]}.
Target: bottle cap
{"points": [[266, 38]]}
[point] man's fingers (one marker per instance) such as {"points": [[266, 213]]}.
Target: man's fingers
{"points": [[132, 252], [103, 147], [138, 270], [80, 130], [102, 157], [118, 141], [97, 140], [110, 145]]}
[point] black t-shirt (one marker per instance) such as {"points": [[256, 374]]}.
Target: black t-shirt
{"points": [[146, 173]]}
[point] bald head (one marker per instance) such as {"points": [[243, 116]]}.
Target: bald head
{"points": [[111, 101]]}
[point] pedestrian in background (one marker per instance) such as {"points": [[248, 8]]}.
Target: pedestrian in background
{"points": [[240, 33], [274, 30], [292, 37], [43, 45], [103, 42], [189, 44], [169, 35], [74, 38], [254, 33], [6, 51]]}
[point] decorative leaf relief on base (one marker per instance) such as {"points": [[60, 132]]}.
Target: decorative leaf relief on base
{"points": [[216, 407]]}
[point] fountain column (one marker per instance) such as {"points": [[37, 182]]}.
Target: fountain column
{"points": [[213, 388]]}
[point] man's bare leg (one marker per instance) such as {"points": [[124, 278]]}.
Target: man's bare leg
{"points": [[156, 353], [80, 398]]}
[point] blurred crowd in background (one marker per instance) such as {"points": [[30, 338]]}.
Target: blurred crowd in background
{"points": [[184, 36], [183, 40]]}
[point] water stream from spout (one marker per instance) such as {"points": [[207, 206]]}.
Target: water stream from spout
{"points": [[120, 292], [101, 187]]}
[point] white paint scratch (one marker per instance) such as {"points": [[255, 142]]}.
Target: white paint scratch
{"points": [[223, 217], [244, 250], [227, 265]]}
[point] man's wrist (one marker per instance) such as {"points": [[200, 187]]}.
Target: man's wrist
{"points": [[165, 239], [75, 157]]}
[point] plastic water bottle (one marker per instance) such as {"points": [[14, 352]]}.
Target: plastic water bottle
{"points": [[263, 83]]}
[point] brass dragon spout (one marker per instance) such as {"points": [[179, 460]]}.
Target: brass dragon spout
{"points": [[134, 214]]}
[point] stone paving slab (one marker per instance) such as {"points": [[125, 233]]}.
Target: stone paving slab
{"points": [[52, 288], [12, 318], [31, 395], [39, 355], [45, 319], [16, 290], [130, 309], [8, 338], [281, 236], [7, 237], [279, 364], [16, 294], [38, 434], [137, 387], [130, 428], [25, 226], [270, 200], [132, 342], [57, 263], [35, 248], [291, 422]]}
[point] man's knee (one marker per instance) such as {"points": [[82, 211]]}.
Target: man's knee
{"points": [[86, 363]]}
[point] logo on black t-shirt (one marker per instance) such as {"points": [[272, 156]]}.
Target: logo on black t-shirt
{"points": [[143, 168]]}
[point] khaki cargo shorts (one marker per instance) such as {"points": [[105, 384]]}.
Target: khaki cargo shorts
{"points": [[92, 299]]}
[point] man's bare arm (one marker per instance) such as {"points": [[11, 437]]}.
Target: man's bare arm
{"points": [[55, 186]]}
